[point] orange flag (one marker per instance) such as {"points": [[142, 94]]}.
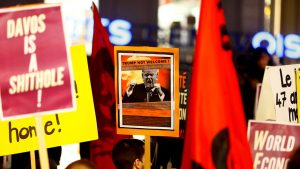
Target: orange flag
{"points": [[216, 130], [102, 81]]}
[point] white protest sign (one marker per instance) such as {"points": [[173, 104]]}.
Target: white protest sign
{"points": [[279, 85], [283, 85], [265, 109]]}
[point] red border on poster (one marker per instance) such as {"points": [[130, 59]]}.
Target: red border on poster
{"points": [[36, 76]]}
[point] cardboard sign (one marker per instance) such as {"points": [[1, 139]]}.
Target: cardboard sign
{"points": [[278, 96], [36, 73], [272, 143], [184, 89], [257, 95], [60, 129], [147, 90]]}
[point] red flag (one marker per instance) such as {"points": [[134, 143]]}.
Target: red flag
{"points": [[216, 130], [102, 81]]}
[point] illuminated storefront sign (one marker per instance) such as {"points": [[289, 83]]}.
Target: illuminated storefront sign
{"points": [[80, 29], [288, 46], [119, 31]]}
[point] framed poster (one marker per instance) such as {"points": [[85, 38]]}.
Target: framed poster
{"points": [[147, 91]]}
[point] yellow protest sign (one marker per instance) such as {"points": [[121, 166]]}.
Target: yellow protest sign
{"points": [[298, 91], [59, 129]]}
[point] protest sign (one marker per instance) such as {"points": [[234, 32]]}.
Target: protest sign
{"points": [[36, 73], [147, 90], [278, 98], [272, 143], [59, 129], [184, 88]]}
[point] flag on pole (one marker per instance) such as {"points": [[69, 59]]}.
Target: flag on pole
{"points": [[216, 130], [102, 81]]}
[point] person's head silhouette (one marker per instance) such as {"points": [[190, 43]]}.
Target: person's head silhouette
{"points": [[128, 154]]}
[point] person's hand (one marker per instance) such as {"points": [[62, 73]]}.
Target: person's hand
{"points": [[157, 89], [130, 87]]}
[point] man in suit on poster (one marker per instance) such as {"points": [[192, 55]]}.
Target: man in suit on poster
{"points": [[149, 91]]}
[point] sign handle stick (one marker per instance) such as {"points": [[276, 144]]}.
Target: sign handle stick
{"points": [[6, 161], [32, 160], [147, 152], [42, 143]]}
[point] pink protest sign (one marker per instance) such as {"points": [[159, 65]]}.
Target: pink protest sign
{"points": [[35, 67], [272, 143]]}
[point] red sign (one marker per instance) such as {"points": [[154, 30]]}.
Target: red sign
{"points": [[272, 143], [35, 66]]}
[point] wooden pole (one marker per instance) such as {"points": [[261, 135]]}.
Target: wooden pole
{"points": [[32, 160], [6, 162], [44, 161], [147, 158]]}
